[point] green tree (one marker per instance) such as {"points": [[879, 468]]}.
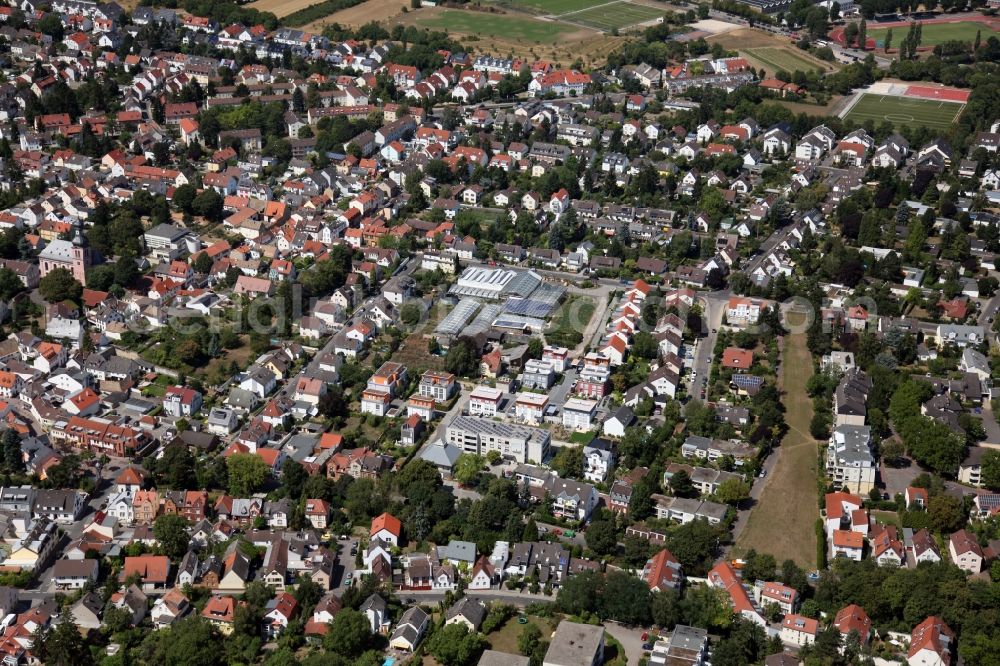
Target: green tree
{"points": [[191, 641], [10, 452], [694, 544], [581, 593], [51, 26], [602, 537], [625, 598], [990, 469], [171, 531], [462, 358], [10, 284], [644, 345], [176, 468], [468, 467], [208, 204], [247, 473], [202, 263], [568, 462], [410, 313], [455, 645], [681, 485], [946, 513], [665, 608], [293, 478], [733, 491], [349, 634], [60, 285], [62, 644], [706, 607]]}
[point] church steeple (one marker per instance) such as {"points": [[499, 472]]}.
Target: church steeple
{"points": [[79, 240]]}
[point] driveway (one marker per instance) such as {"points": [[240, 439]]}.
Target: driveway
{"points": [[559, 392], [631, 640], [990, 424], [896, 479]]}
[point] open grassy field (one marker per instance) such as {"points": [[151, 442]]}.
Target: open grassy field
{"points": [[551, 7], [783, 521], [783, 58], [516, 34], [574, 314], [614, 16], [494, 25], [932, 34], [775, 52], [904, 111]]}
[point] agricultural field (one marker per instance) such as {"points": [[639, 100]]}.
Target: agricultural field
{"points": [[282, 8], [493, 25], [612, 16], [904, 111], [358, 15], [782, 58], [932, 34]]}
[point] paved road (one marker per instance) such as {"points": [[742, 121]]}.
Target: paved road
{"points": [[714, 306]]}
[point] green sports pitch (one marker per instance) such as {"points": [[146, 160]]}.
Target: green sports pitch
{"points": [[900, 111], [553, 7], [932, 34], [613, 15]]}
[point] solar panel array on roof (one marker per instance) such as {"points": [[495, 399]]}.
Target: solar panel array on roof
{"points": [[455, 321]]}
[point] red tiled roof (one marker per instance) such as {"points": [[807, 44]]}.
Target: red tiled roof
{"points": [[854, 618], [386, 522]]}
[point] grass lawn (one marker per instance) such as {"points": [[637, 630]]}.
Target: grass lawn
{"points": [[783, 521], [570, 321], [902, 111], [575, 313], [782, 58], [492, 25], [505, 638], [617, 15], [932, 34], [886, 518], [581, 437]]}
